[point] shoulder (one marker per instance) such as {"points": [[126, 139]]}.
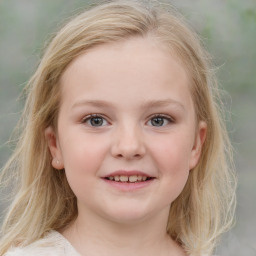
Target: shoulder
{"points": [[53, 244]]}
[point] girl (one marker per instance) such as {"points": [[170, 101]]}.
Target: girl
{"points": [[123, 150]]}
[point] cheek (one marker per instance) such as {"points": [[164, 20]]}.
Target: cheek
{"points": [[172, 154], [172, 160], [81, 151], [82, 159]]}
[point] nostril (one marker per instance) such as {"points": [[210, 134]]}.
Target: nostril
{"points": [[128, 148], [129, 156]]}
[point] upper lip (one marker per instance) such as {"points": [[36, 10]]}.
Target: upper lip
{"points": [[127, 173]]}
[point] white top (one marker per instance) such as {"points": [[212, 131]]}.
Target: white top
{"points": [[53, 244]]}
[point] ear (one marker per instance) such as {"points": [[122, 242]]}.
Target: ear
{"points": [[53, 144], [198, 144]]}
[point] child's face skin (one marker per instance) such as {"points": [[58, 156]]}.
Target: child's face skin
{"points": [[127, 85]]}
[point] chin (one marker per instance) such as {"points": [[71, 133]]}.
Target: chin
{"points": [[127, 215]]}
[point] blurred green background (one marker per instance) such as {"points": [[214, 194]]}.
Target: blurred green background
{"points": [[228, 29]]}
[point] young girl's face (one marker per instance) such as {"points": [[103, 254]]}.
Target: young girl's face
{"points": [[127, 133]]}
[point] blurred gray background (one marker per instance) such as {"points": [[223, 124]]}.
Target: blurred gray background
{"points": [[228, 28]]}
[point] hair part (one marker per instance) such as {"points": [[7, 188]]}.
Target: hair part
{"points": [[44, 201]]}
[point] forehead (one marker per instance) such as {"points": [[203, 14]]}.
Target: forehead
{"points": [[134, 66], [150, 46]]}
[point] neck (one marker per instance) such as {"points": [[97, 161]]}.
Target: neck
{"points": [[95, 236]]}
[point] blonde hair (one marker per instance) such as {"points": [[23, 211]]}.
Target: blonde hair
{"points": [[44, 200]]}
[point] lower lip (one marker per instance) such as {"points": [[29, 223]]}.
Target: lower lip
{"points": [[129, 186]]}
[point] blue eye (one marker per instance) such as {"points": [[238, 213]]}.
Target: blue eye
{"points": [[159, 120], [95, 121]]}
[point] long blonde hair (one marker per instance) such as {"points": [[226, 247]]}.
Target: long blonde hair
{"points": [[44, 200]]}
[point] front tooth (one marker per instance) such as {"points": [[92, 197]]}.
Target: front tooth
{"points": [[139, 178], [133, 178], [117, 178], [144, 178], [124, 178]]}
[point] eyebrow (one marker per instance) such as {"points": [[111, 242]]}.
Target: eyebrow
{"points": [[94, 103], [162, 103], [145, 105]]}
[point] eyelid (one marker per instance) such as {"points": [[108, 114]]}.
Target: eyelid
{"points": [[164, 116], [94, 115], [168, 117]]}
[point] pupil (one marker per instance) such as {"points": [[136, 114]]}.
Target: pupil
{"points": [[96, 121], [157, 121]]}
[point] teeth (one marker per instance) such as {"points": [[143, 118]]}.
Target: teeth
{"points": [[117, 178], [139, 178], [132, 178], [124, 178]]}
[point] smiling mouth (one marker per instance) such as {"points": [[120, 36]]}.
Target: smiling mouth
{"points": [[128, 179]]}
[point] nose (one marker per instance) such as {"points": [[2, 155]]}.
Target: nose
{"points": [[128, 143]]}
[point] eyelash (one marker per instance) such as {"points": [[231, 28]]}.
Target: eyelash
{"points": [[91, 117], [162, 116], [99, 116]]}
